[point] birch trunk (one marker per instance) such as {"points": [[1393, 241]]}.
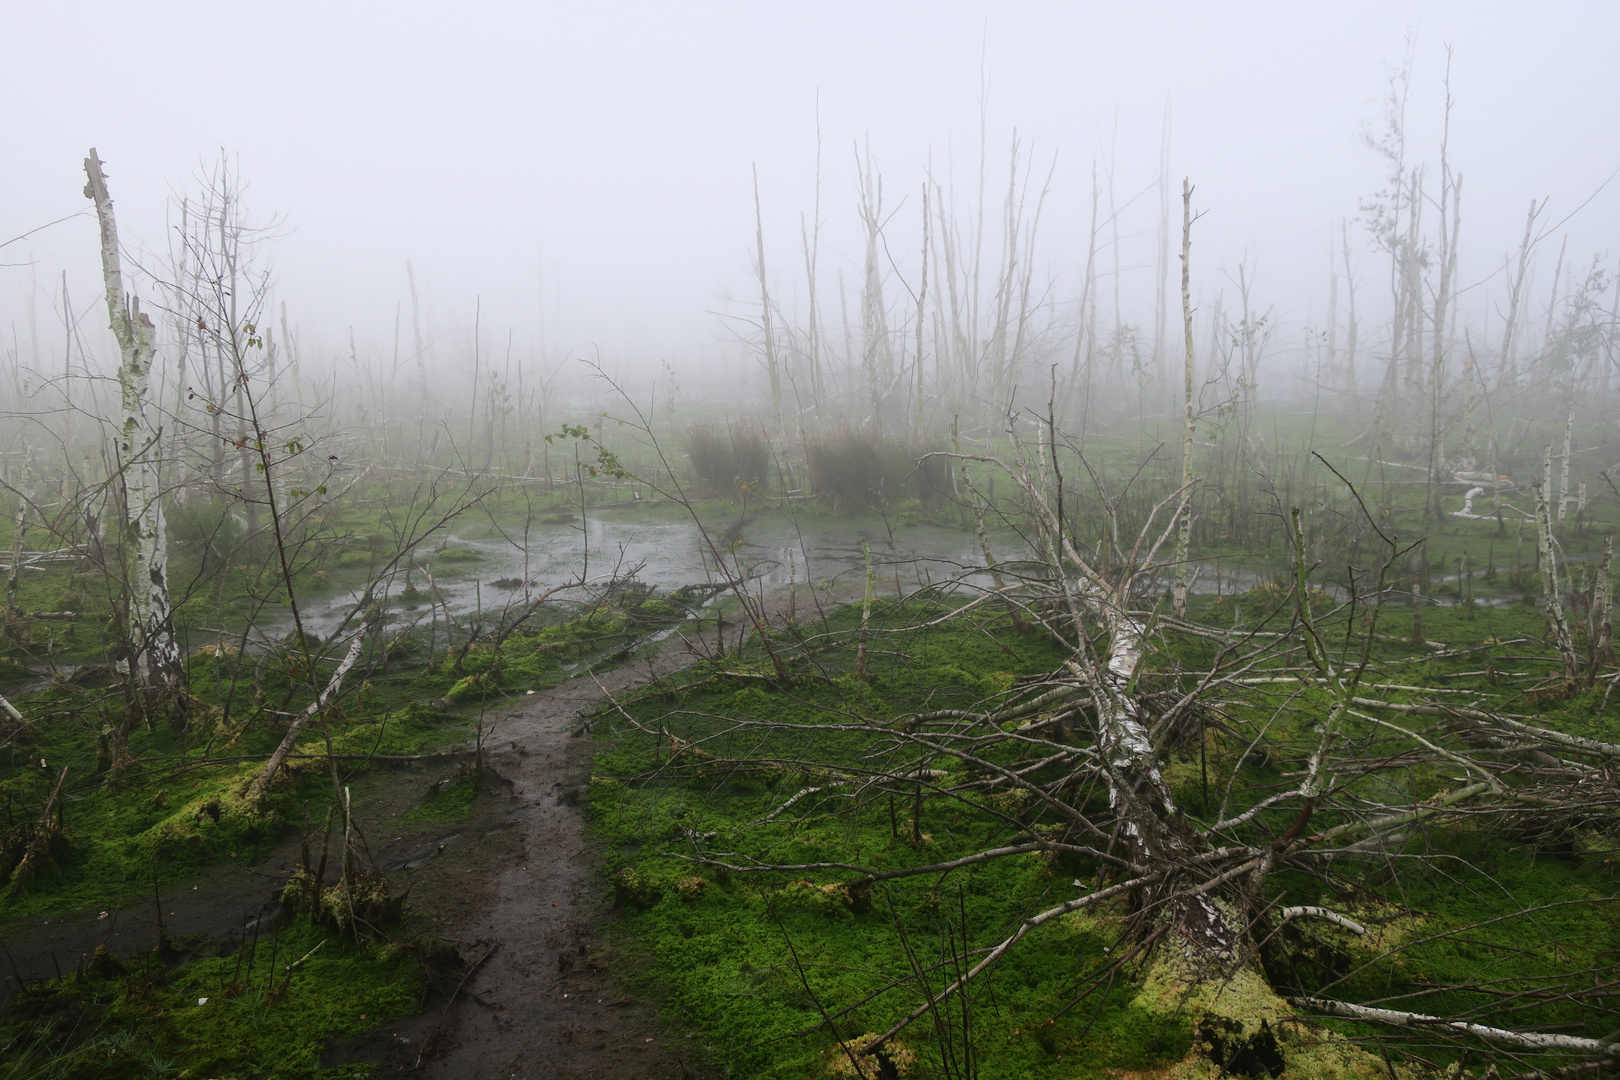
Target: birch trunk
{"points": [[1189, 423], [922, 300], [1549, 572], [1601, 625], [1350, 328], [18, 532], [877, 359], [156, 661], [260, 790], [1563, 469]]}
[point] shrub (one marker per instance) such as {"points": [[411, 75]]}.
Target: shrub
{"points": [[209, 530], [730, 459], [857, 469]]}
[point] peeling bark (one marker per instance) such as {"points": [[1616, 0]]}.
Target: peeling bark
{"points": [[156, 661]]}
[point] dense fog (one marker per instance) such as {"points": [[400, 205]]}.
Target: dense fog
{"points": [[585, 176]]}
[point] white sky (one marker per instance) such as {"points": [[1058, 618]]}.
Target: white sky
{"points": [[610, 144]]}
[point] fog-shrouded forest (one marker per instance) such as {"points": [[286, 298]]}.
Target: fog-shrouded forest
{"points": [[1026, 634]]}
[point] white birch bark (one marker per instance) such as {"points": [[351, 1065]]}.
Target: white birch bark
{"points": [[877, 359], [1321, 913], [156, 663], [1530, 1040], [1549, 571], [261, 784], [1563, 472], [1601, 631], [1137, 790], [1188, 420]]}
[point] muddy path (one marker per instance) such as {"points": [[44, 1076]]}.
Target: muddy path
{"points": [[545, 1000]]}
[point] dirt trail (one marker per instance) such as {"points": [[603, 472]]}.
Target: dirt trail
{"points": [[544, 1003]]}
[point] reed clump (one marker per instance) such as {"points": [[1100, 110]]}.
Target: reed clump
{"points": [[729, 459], [852, 469]]}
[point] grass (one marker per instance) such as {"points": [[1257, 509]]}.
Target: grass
{"points": [[751, 963], [179, 807]]}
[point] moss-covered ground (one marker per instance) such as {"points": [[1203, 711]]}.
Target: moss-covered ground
{"points": [[776, 970], [266, 1010]]}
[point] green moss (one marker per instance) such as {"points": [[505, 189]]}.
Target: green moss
{"points": [[450, 802], [720, 948], [238, 1014]]}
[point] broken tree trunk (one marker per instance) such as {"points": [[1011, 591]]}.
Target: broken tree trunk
{"points": [[261, 784], [155, 663]]}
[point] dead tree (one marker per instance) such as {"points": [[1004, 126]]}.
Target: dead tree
{"points": [[155, 660]]}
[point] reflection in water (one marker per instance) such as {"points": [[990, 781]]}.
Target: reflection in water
{"points": [[770, 551]]}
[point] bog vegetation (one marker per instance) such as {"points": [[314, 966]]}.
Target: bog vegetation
{"points": [[1268, 730]]}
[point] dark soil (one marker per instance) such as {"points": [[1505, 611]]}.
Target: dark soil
{"points": [[528, 901]]}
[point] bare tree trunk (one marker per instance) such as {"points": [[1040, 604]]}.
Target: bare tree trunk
{"points": [[1449, 194], [1507, 373], [922, 301], [765, 314], [1189, 423], [156, 664], [67, 372], [1085, 342], [843, 314], [876, 356], [1563, 469], [261, 784], [421, 361], [812, 256], [1549, 572], [1161, 310], [1350, 327], [19, 530], [1333, 311], [1600, 620]]}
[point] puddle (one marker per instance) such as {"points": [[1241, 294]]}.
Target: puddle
{"points": [[770, 552]]}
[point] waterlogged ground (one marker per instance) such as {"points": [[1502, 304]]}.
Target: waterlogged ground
{"points": [[486, 568]]}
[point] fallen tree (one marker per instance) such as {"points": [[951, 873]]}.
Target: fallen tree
{"points": [[1075, 765]]}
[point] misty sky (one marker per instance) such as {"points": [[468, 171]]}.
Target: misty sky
{"points": [[601, 152]]}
